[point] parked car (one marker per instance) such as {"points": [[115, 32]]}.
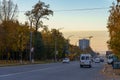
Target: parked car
{"points": [[66, 60], [101, 60], [110, 59], [85, 60], [97, 60]]}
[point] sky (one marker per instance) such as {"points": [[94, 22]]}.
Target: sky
{"points": [[86, 20]]}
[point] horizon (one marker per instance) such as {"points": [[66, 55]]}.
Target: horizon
{"points": [[97, 42]]}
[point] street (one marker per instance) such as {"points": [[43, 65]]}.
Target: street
{"points": [[53, 71]]}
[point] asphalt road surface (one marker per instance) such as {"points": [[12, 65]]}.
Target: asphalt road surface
{"points": [[53, 71]]}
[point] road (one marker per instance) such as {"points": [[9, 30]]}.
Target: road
{"points": [[53, 71]]}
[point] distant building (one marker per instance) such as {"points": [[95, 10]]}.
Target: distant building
{"points": [[84, 43]]}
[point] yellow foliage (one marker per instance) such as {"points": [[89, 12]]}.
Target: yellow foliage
{"points": [[10, 37]]}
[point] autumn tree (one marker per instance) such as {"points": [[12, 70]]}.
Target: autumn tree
{"points": [[47, 41], [58, 42], [114, 28], [14, 37], [40, 11]]}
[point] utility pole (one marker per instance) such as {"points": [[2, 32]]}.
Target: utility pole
{"points": [[55, 47], [31, 49], [30, 18], [30, 55]]}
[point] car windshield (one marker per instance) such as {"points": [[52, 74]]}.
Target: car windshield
{"points": [[66, 59], [110, 57], [85, 58]]}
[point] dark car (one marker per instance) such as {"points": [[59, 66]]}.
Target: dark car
{"points": [[101, 60]]}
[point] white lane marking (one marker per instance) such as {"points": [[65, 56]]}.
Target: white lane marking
{"points": [[12, 74]]}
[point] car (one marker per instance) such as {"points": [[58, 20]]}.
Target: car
{"points": [[85, 60], [66, 60], [97, 60], [110, 59], [101, 60]]}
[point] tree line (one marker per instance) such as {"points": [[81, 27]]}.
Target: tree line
{"points": [[17, 39]]}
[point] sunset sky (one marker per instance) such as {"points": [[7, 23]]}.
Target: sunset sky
{"points": [[72, 20]]}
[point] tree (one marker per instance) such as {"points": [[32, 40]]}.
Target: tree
{"points": [[58, 43], [8, 10], [14, 37], [40, 11], [114, 29], [47, 40]]}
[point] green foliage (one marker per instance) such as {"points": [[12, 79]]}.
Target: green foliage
{"points": [[49, 39], [39, 47]]}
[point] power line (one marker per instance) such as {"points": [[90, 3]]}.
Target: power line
{"points": [[82, 9]]}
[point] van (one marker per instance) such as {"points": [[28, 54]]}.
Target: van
{"points": [[85, 60], [110, 59]]}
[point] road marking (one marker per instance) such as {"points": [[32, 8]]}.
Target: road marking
{"points": [[12, 74]]}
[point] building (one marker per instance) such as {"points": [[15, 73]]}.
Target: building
{"points": [[84, 43]]}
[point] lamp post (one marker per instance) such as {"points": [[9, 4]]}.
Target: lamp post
{"points": [[31, 58], [68, 39], [55, 48], [90, 38], [30, 55], [30, 18]]}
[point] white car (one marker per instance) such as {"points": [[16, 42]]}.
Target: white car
{"points": [[66, 60], [110, 59], [85, 60], [97, 60]]}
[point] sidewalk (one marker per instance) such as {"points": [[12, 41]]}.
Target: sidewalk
{"points": [[110, 73]]}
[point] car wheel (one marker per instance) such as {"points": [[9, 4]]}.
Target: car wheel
{"points": [[81, 66], [90, 66]]}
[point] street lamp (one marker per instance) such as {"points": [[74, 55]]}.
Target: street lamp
{"points": [[90, 37], [30, 55], [69, 36]]}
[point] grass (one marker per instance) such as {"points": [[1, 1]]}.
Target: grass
{"points": [[4, 63]]}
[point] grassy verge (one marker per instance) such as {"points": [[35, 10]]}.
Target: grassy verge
{"points": [[4, 63]]}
